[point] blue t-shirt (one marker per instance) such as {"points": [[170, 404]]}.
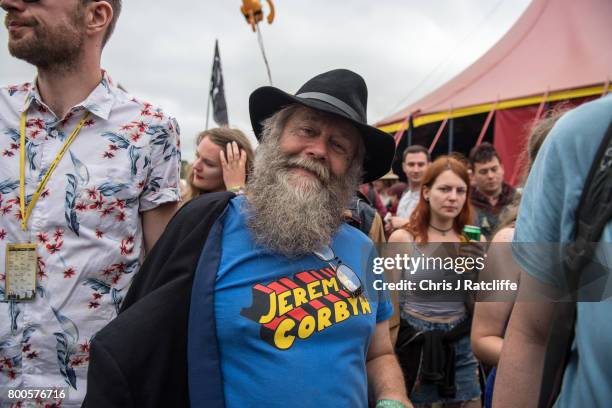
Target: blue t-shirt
{"points": [[547, 214], [288, 334]]}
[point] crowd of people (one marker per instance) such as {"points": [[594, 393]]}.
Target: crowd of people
{"points": [[253, 285]]}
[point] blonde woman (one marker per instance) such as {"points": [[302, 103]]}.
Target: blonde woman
{"points": [[223, 161]]}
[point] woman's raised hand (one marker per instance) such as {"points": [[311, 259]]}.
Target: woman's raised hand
{"points": [[233, 162]]}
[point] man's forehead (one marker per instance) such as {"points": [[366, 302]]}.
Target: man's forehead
{"points": [[487, 165], [417, 157], [303, 112], [312, 115]]}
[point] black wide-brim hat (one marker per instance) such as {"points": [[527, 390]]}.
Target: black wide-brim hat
{"points": [[340, 92]]}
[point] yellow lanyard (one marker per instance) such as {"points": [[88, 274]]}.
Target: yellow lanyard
{"points": [[25, 215]]}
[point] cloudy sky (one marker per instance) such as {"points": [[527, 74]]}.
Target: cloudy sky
{"points": [[162, 51]]}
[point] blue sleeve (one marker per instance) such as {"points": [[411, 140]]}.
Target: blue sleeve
{"points": [[547, 214], [385, 308]]}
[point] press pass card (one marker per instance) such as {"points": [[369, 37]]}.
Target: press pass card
{"points": [[21, 268]]}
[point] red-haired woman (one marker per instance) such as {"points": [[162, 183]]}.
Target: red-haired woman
{"points": [[435, 316]]}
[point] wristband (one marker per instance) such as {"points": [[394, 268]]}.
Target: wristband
{"points": [[387, 403], [236, 189]]}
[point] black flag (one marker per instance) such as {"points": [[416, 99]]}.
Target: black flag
{"points": [[216, 90]]}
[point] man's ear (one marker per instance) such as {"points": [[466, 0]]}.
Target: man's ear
{"points": [[99, 14]]}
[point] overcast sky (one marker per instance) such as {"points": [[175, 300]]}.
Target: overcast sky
{"points": [[162, 51]]}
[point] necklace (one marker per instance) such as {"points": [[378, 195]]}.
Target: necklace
{"points": [[440, 230]]}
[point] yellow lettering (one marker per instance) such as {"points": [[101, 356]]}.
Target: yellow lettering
{"points": [[306, 327], [282, 340], [283, 307], [329, 283], [323, 316], [272, 312], [311, 290], [299, 297], [341, 311], [353, 302], [365, 305]]}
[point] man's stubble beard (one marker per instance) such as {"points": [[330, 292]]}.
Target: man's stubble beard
{"points": [[292, 219], [57, 48]]}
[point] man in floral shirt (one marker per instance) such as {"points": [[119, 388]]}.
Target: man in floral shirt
{"points": [[99, 174]]}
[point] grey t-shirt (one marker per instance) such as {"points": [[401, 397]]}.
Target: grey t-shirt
{"points": [[442, 302]]}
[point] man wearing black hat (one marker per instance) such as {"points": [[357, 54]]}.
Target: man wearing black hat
{"points": [[265, 299]]}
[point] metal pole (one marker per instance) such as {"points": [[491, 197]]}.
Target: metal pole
{"points": [[451, 135], [210, 85], [208, 110], [263, 52]]}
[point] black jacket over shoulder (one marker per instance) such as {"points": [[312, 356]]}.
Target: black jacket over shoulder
{"points": [[140, 358]]}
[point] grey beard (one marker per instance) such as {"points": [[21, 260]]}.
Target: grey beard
{"points": [[295, 220]]}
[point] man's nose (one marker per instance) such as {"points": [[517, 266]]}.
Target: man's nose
{"points": [[8, 5], [317, 148]]}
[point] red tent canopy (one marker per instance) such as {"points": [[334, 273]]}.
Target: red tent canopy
{"points": [[557, 50]]}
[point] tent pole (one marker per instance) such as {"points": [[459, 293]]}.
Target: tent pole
{"points": [[541, 107], [440, 130], [486, 124], [606, 87], [451, 135], [535, 120], [400, 132], [517, 167], [410, 129]]}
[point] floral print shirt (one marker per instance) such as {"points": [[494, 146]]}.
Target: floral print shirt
{"points": [[86, 223]]}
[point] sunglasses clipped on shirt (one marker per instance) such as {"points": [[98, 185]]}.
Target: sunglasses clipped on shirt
{"points": [[348, 279]]}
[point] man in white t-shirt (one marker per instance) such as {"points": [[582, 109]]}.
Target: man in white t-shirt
{"points": [[415, 161]]}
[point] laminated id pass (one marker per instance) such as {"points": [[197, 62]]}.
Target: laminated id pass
{"points": [[21, 268]]}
